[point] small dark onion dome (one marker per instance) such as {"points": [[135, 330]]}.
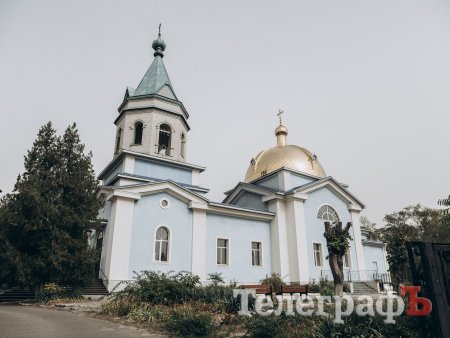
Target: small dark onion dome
{"points": [[159, 46]]}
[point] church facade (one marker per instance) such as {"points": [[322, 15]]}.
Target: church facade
{"points": [[157, 216]]}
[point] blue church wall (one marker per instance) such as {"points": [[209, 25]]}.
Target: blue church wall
{"points": [[298, 180], [147, 217], [251, 200], [316, 228], [116, 170], [374, 258], [162, 171], [270, 182], [240, 232]]}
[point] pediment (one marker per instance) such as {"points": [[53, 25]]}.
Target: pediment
{"points": [[139, 190], [246, 187], [335, 187]]}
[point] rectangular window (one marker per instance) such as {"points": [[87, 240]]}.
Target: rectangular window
{"points": [[222, 251], [317, 251], [346, 259], [256, 254]]}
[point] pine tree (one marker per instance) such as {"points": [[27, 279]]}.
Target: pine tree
{"points": [[53, 205], [79, 206]]}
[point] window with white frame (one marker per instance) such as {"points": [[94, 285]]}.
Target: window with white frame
{"points": [[328, 214], [162, 245], [317, 253], [222, 251], [165, 136], [346, 259], [256, 254]]}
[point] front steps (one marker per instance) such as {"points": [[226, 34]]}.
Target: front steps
{"points": [[16, 296], [361, 288], [96, 289]]}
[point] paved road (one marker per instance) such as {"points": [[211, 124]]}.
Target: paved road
{"points": [[27, 321]]}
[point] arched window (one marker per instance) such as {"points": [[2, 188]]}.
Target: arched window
{"points": [[165, 133], [138, 128], [183, 144], [162, 245], [327, 213], [99, 239], [119, 135]]}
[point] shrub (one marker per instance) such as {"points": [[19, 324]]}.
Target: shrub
{"points": [[275, 280], [356, 326], [117, 307], [216, 278], [324, 287], [187, 323], [263, 327], [146, 313], [50, 291], [278, 327], [221, 297], [159, 288]]}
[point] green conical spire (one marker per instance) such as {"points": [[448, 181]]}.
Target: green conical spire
{"points": [[156, 76]]}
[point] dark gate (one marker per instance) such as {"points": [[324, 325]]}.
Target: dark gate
{"points": [[430, 268]]}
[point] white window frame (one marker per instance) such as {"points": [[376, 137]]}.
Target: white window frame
{"points": [[162, 205], [228, 251], [133, 127], [320, 253], [169, 255], [329, 206], [261, 260]]}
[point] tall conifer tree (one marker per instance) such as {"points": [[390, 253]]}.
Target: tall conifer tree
{"points": [[53, 205]]}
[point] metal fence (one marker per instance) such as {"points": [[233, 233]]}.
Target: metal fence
{"points": [[359, 275]]}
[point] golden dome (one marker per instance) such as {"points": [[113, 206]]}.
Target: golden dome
{"points": [[283, 155]]}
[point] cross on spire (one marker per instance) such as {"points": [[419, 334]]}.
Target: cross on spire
{"points": [[279, 114], [159, 31]]}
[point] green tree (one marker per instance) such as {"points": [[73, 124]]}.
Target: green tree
{"points": [[337, 243], [445, 202], [372, 227], [412, 223], [46, 217]]}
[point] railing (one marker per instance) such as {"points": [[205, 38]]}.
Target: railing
{"points": [[358, 275], [103, 274], [384, 277]]}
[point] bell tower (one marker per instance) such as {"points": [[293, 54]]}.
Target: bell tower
{"points": [[151, 119]]}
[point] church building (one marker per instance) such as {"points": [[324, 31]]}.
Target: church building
{"points": [[157, 216]]}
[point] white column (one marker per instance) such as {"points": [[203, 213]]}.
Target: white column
{"points": [[119, 238], [199, 241], [302, 243], [354, 211], [292, 239], [279, 237], [297, 242]]}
